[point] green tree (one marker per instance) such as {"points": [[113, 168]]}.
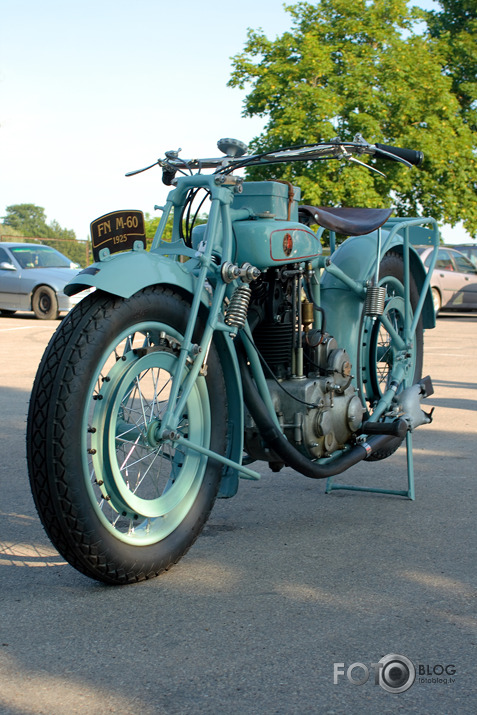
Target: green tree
{"points": [[7, 232], [455, 26], [345, 68], [151, 223], [29, 220]]}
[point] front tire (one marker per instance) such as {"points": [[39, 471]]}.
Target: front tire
{"points": [[119, 504]]}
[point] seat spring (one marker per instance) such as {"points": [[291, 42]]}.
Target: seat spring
{"points": [[375, 297]]}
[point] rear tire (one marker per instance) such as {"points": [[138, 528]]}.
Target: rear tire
{"points": [[119, 504], [378, 350]]}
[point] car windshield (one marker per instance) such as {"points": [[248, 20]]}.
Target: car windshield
{"points": [[40, 257]]}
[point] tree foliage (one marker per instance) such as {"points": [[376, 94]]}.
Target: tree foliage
{"points": [[362, 67], [29, 220], [455, 27], [152, 223]]}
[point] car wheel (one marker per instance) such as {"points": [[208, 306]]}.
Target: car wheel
{"points": [[436, 299], [45, 303]]}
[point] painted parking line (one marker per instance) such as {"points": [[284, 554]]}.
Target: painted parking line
{"points": [[25, 327]]}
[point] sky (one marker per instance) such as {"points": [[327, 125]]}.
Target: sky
{"points": [[92, 89]]}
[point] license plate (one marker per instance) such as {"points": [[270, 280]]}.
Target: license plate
{"points": [[117, 231]]}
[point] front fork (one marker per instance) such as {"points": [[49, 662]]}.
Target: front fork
{"points": [[190, 352], [193, 355]]}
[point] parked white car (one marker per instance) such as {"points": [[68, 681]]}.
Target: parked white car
{"points": [[454, 279]]}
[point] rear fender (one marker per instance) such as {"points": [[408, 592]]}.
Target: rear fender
{"points": [[124, 274], [357, 258]]}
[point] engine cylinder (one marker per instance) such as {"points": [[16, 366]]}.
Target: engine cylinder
{"points": [[274, 341]]}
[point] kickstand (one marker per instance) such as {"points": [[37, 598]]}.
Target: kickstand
{"points": [[409, 493]]}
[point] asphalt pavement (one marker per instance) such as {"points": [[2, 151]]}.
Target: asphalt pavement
{"points": [[286, 600]]}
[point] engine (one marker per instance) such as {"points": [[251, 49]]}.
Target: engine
{"points": [[308, 375]]}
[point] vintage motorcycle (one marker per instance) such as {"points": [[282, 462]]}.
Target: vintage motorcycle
{"points": [[237, 340]]}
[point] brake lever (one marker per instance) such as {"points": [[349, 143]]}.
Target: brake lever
{"points": [[139, 171], [367, 166], [349, 157]]}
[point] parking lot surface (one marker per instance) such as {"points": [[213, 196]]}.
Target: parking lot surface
{"points": [[286, 589]]}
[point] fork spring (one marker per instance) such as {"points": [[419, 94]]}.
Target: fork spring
{"points": [[236, 314]]}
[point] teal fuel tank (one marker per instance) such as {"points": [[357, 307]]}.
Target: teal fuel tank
{"points": [[271, 242], [272, 236]]}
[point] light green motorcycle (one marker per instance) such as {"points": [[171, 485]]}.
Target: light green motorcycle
{"points": [[236, 341]]}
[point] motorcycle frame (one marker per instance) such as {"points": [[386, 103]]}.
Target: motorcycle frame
{"points": [[341, 291]]}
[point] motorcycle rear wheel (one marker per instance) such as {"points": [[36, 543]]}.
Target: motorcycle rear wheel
{"points": [[378, 349], [119, 504]]}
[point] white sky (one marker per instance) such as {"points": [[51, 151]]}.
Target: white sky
{"points": [[91, 89]]}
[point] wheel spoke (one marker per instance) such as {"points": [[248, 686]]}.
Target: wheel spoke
{"points": [[132, 473], [382, 339]]}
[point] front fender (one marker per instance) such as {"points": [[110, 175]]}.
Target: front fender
{"points": [[124, 274]]}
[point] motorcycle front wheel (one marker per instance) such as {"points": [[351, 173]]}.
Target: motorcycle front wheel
{"points": [[118, 503]]}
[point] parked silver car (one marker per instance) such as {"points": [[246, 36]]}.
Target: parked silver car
{"points": [[469, 250], [32, 277], [454, 279]]}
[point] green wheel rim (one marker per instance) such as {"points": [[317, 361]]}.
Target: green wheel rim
{"points": [[378, 351], [140, 488]]}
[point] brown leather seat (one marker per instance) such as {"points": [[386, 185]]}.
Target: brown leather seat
{"points": [[348, 221]]}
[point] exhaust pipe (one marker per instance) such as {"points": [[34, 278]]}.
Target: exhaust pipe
{"points": [[276, 441]]}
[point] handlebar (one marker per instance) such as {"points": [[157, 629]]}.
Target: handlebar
{"points": [[334, 149]]}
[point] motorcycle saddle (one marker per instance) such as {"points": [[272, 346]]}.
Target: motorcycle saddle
{"points": [[348, 221]]}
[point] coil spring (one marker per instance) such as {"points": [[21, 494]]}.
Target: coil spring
{"points": [[375, 297], [236, 314]]}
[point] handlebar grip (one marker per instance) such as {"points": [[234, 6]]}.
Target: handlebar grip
{"points": [[413, 157]]}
